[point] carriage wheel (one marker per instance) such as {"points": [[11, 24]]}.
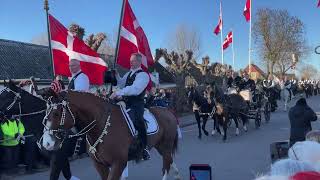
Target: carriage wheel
{"points": [[257, 119], [267, 110]]}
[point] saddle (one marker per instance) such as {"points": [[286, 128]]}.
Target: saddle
{"points": [[152, 126]]}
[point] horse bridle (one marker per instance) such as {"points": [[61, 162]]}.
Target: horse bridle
{"points": [[61, 133], [17, 97]]}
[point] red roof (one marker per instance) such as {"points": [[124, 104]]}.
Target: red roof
{"points": [[254, 68]]}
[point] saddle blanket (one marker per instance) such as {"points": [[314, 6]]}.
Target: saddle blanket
{"points": [[150, 121]]}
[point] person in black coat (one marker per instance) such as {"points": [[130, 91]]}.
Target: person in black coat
{"points": [[300, 117]]}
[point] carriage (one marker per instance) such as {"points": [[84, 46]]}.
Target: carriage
{"points": [[254, 104]]}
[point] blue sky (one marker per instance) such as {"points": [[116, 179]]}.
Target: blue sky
{"points": [[23, 20]]}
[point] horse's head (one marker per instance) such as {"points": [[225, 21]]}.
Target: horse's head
{"points": [[59, 119], [10, 97]]}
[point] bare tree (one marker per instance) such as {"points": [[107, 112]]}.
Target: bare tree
{"points": [[308, 72], [277, 36], [185, 39]]}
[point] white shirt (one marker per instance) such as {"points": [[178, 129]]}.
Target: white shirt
{"points": [[139, 85], [81, 83]]}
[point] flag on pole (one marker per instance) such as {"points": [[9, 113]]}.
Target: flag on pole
{"points": [[218, 28], [66, 46], [228, 40], [133, 40], [247, 10]]}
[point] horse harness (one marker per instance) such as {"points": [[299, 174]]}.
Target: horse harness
{"points": [[17, 98], [62, 133]]}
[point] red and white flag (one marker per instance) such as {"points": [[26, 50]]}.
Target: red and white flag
{"points": [[247, 10], [218, 28], [133, 40], [228, 40], [66, 46]]}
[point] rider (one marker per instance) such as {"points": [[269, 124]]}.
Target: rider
{"points": [[79, 80], [134, 84], [269, 86], [287, 85], [248, 83]]}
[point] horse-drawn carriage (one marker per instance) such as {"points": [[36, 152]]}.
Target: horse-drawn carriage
{"points": [[254, 104]]}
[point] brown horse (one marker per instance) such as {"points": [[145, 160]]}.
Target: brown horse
{"points": [[108, 136]]}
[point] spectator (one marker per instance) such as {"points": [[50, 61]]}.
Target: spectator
{"points": [[12, 132], [300, 117]]}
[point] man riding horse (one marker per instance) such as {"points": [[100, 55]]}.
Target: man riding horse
{"points": [[133, 87]]}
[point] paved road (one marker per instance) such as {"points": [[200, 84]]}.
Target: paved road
{"points": [[240, 158]]}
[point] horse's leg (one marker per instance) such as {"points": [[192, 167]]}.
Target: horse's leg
{"points": [[235, 119], [205, 119], [215, 125], [102, 170], [116, 170], [225, 127], [197, 116], [244, 121]]}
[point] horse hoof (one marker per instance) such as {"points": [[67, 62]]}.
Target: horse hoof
{"points": [[199, 137], [245, 128], [213, 132]]}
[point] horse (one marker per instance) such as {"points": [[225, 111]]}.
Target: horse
{"points": [[286, 96], [16, 101], [201, 109], [107, 133]]}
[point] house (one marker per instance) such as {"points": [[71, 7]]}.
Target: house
{"points": [[20, 60], [256, 72]]}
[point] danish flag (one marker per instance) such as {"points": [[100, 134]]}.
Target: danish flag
{"points": [[133, 40], [66, 46], [228, 40]]}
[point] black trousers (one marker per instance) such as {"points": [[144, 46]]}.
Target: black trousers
{"points": [[59, 160], [29, 152], [137, 109], [9, 157]]}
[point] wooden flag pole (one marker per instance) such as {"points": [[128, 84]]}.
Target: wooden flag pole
{"points": [[119, 32], [232, 50], [46, 8]]}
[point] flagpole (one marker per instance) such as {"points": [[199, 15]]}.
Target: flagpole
{"points": [[119, 31], [250, 39], [232, 50], [221, 34], [46, 8]]}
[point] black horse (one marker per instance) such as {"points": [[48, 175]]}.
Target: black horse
{"points": [[228, 107], [16, 101], [201, 109]]}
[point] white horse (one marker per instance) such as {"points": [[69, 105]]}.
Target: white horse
{"points": [[285, 94]]}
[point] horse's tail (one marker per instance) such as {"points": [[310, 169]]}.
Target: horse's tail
{"points": [[175, 143]]}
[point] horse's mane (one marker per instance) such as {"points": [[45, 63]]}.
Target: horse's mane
{"points": [[97, 99]]}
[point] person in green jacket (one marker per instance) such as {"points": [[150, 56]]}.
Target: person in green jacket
{"points": [[12, 131]]}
